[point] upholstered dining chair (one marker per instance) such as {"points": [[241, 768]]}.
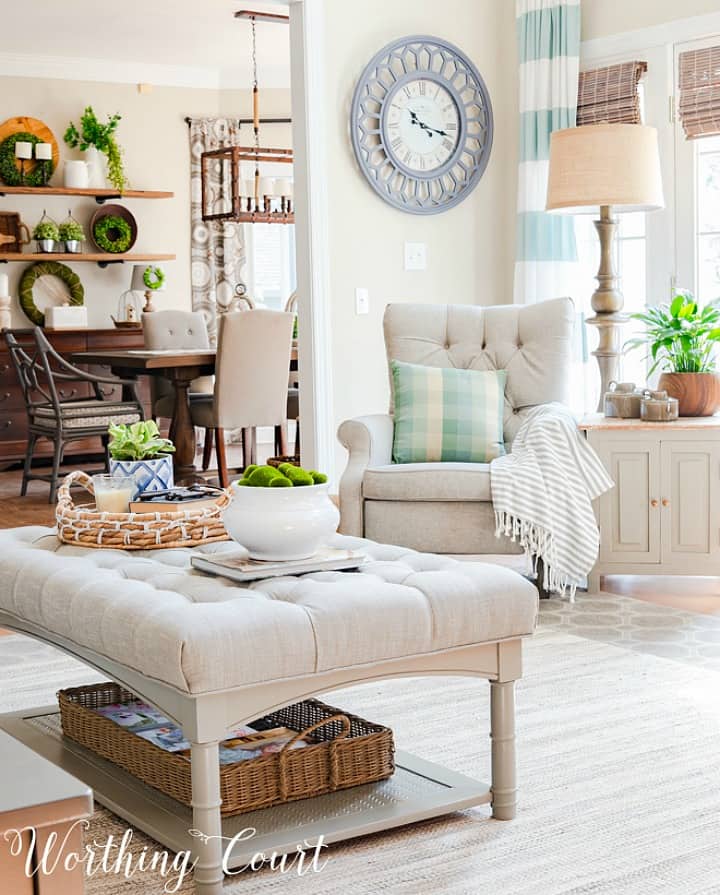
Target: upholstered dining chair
{"points": [[43, 376], [181, 330], [251, 377]]}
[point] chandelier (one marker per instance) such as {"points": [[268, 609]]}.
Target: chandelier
{"points": [[226, 194]]}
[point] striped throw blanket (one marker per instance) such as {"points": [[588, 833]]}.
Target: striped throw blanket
{"points": [[542, 495]]}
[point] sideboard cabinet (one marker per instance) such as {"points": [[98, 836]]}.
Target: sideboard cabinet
{"points": [[663, 515], [13, 419]]}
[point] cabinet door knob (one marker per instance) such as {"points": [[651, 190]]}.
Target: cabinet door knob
{"points": [[665, 502], [653, 503]]}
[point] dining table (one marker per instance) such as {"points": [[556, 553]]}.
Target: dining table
{"points": [[180, 367]]}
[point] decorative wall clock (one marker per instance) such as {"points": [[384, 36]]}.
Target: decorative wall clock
{"points": [[422, 124]]}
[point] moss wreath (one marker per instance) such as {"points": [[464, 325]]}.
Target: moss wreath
{"points": [[47, 269], [9, 171], [113, 234], [154, 277]]}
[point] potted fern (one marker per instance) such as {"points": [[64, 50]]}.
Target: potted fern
{"points": [[138, 449], [682, 338]]}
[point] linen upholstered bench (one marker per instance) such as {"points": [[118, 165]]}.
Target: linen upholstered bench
{"points": [[212, 654]]}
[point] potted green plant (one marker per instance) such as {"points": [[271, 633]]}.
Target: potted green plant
{"points": [[93, 137], [138, 449], [72, 234], [682, 338], [47, 234]]}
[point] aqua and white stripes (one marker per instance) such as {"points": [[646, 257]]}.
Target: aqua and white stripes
{"points": [[548, 34]]}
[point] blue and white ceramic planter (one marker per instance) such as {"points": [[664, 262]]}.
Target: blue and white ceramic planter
{"points": [[150, 475]]}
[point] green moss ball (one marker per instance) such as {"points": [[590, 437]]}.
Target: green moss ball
{"points": [[281, 482], [249, 470], [299, 476], [242, 482], [319, 478], [283, 467], [262, 476]]}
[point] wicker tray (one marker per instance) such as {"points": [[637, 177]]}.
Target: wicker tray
{"points": [[135, 531], [343, 751]]}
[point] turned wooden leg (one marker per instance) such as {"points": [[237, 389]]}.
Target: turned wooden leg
{"points": [[208, 848], [183, 430], [593, 582], [207, 448], [502, 734], [221, 458]]}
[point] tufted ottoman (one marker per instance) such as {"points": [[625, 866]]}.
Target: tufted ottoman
{"points": [[212, 654]]}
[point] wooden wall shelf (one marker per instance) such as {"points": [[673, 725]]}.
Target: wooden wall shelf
{"points": [[100, 196], [101, 258]]}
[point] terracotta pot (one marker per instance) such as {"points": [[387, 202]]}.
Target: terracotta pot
{"points": [[697, 393]]}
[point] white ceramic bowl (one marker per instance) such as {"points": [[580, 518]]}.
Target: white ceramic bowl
{"points": [[281, 523]]}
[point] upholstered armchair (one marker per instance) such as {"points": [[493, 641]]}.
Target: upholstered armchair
{"points": [[447, 507]]}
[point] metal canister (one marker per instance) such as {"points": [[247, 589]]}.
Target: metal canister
{"points": [[658, 407], [623, 400]]}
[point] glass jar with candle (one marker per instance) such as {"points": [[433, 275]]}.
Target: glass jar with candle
{"points": [[113, 493]]}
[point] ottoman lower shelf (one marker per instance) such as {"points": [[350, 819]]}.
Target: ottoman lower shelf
{"points": [[418, 790]]}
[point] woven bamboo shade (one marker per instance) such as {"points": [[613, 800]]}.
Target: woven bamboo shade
{"points": [[610, 95], [700, 92]]}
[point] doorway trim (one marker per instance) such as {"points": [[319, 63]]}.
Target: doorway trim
{"points": [[309, 103]]}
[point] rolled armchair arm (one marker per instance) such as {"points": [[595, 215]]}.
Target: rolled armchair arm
{"points": [[368, 441]]}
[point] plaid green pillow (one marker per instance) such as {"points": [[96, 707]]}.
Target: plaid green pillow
{"points": [[445, 414]]}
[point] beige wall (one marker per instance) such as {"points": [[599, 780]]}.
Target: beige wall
{"points": [[155, 139], [469, 248], [603, 17], [154, 136]]}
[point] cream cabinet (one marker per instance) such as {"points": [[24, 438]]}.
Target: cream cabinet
{"points": [[663, 515]]}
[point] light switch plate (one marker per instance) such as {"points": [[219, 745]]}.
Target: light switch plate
{"points": [[415, 256], [362, 301]]}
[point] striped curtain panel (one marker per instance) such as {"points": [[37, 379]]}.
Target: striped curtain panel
{"points": [[548, 34]]}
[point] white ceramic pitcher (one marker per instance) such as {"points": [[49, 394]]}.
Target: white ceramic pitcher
{"points": [[76, 175], [90, 173]]}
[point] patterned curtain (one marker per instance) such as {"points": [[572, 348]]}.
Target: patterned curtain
{"points": [[217, 248], [548, 34]]}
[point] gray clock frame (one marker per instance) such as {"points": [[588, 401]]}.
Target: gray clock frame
{"points": [[371, 142]]}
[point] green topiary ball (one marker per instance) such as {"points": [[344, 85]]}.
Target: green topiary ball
{"points": [[250, 469], [299, 476], [281, 482], [283, 467], [242, 482], [263, 476], [318, 477]]}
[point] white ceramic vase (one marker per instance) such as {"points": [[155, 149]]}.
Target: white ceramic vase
{"points": [[281, 523], [95, 168]]}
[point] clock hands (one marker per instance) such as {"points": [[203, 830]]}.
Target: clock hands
{"points": [[426, 127]]}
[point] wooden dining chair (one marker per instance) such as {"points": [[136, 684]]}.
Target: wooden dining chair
{"points": [[251, 378], [63, 403]]}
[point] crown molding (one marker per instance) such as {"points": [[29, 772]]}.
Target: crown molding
{"points": [[110, 71]]}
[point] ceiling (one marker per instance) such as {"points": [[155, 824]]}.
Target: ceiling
{"points": [[181, 33]]}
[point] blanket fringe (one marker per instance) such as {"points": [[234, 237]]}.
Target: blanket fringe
{"points": [[537, 544]]}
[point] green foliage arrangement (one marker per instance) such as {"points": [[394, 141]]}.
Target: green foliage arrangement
{"points": [[102, 136], [71, 230], [138, 441], [113, 234], [284, 476], [9, 171], [154, 277], [46, 229], [681, 336]]}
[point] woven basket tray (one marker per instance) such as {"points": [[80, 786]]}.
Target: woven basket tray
{"points": [[135, 531], [343, 751]]}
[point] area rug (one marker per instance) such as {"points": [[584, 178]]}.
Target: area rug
{"points": [[619, 774]]}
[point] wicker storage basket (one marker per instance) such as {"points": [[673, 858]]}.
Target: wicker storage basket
{"points": [[343, 751], [86, 527]]}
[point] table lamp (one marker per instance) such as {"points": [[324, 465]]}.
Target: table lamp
{"points": [[615, 167], [139, 284]]}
